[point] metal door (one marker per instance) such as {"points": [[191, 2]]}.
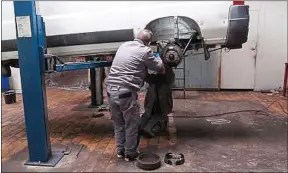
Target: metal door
{"points": [[199, 74], [238, 66]]}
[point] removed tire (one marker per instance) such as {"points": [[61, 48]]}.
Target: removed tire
{"points": [[148, 161]]}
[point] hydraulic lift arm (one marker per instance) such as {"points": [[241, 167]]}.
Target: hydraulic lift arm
{"points": [[52, 65]]}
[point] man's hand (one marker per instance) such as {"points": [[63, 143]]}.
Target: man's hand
{"points": [[154, 63]]}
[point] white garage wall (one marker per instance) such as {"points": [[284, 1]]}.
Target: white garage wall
{"points": [[15, 80], [272, 45]]}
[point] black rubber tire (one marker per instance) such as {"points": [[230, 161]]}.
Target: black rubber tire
{"points": [[146, 165]]}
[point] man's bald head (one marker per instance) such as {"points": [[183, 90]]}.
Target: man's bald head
{"points": [[145, 36]]}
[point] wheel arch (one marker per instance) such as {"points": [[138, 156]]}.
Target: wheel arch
{"points": [[170, 27]]}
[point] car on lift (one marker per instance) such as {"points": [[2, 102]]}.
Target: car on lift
{"points": [[89, 28]]}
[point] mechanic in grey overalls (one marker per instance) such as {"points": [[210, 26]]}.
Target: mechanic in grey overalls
{"points": [[126, 77]]}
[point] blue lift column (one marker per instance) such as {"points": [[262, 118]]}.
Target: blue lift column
{"points": [[30, 43]]}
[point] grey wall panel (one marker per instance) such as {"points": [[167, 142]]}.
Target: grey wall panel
{"points": [[198, 72]]}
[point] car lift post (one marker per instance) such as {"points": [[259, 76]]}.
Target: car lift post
{"points": [[30, 31], [96, 87], [30, 43], [93, 87]]}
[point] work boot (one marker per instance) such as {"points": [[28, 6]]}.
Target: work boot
{"points": [[131, 157], [120, 154]]}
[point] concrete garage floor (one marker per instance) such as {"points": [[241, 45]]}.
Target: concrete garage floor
{"points": [[246, 142]]}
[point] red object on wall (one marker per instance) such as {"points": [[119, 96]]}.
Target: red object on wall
{"points": [[238, 2]]}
